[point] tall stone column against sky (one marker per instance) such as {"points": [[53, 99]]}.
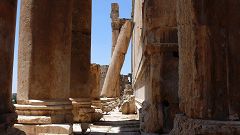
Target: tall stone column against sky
{"points": [[7, 34], [44, 59], [80, 86], [117, 60], [81, 48]]}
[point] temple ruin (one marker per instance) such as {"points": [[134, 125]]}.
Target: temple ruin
{"points": [[184, 80]]}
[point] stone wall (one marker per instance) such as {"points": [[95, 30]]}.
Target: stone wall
{"points": [[155, 63], [208, 67]]}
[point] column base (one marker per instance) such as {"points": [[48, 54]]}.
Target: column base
{"points": [[97, 104], [83, 112], [184, 125], [44, 112], [63, 129]]}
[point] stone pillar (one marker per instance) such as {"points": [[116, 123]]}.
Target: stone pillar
{"points": [[44, 62], [7, 33], [115, 24], [209, 67], [80, 87], [94, 84], [117, 60], [116, 27]]}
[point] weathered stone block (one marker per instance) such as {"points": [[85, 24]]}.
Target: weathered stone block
{"points": [[63, 129], [128, 106], [184, 125]]}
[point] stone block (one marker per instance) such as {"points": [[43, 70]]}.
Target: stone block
{"points": [[184, 125], [63, 129]]}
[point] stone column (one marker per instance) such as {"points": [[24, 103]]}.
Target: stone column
{"points": [[209, 67], [44, 62], [80, 87], [115, 24], [116, 27], [117, 60], [94, 84], [7, 33]]}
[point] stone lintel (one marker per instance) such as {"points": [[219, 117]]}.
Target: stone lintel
{"points": [[184, 125]]}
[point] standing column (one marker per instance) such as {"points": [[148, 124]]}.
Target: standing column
{"points": [[115, 24], [209, 67], [7, 33], [117, 60], [116, 27], [44, 62], [80, 86]]}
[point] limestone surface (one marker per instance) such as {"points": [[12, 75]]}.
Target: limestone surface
{"points": [[184, 125]]}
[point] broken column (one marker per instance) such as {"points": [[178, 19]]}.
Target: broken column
{"points": [[94, 85], [44, 66], [80, 88], [209, 67], [117, 60], [7, 33]]}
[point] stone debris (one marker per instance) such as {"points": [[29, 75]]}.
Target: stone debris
{"points": [[127, 104], [113, 123], [109, 104]]}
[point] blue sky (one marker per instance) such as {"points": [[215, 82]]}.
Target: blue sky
{"points": [[101, 34]]}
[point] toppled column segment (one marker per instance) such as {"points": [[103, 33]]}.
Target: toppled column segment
{"points": [[117, 59]]}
